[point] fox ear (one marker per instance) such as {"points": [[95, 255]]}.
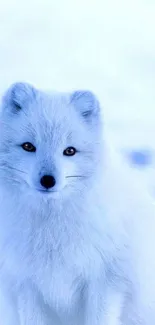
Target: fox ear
{"points": [[17, 97], [86, 103]]}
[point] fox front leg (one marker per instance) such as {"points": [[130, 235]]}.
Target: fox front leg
{"points": [[104, 309]]}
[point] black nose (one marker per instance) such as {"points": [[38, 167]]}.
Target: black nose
{"points": [[47, 181]]}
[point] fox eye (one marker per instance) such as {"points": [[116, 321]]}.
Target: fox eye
{"points": [[27, 146], [70, 151]]}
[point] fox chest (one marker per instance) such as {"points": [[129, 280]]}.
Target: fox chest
{"points": [[64, 282], [63, 289]]}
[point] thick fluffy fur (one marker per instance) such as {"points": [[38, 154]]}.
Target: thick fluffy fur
{"points": [[72, 255]]}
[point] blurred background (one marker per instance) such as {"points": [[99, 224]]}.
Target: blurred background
{"points": [[106, 46]]}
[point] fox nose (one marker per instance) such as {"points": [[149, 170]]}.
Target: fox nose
{"points": [[47, 181]]}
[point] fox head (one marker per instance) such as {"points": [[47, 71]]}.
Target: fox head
{"points": [[50, 144]]}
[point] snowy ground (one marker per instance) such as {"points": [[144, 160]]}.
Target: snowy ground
{"points": [[107, 46]]}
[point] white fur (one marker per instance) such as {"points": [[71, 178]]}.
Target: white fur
{"points": [[83, 253]]}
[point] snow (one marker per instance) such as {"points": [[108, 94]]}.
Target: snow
{"points": [[106, 46]]}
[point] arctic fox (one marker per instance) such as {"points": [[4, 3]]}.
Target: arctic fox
{"points": [[76, 248]]}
